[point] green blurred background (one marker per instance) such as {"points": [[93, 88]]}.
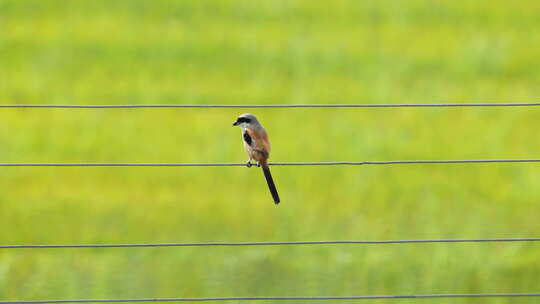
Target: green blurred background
{"points": [[268, 52]]}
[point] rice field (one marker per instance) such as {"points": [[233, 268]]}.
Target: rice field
{"points": [[270, 52]]}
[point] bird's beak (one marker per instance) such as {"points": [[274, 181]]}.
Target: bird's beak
{"points": [[235, 123]]}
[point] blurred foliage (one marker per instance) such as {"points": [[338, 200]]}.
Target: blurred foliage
{"points": [[234, 52]]}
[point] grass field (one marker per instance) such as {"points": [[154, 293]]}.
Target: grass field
{"points": [[268, 52]]}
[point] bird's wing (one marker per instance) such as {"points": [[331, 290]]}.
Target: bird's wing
{"points": [[259, 142]]}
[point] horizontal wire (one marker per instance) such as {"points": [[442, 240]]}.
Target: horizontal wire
{"points": [[450, 295], [491, 240], [390, 162], [403, 105]]}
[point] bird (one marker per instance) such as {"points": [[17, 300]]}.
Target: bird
{"points": [[257, 147]]}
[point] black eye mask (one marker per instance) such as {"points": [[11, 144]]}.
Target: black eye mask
{"points": [[243, 119]]}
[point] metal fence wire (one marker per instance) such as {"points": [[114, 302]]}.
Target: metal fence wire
{"points": [[284, 243]]}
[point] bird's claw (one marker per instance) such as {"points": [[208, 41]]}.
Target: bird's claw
{"points": [[249, 164]]}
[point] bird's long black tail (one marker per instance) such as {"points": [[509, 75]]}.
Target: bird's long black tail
{"points": [[270, 183]]}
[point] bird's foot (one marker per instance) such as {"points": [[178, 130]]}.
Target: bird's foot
{"points": [[249, 164], [258, 164]]}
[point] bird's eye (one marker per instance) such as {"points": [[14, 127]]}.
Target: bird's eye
{"points": [[243, 119]]}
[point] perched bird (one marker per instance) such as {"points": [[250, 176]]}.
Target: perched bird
{"points": [[257, 147]]}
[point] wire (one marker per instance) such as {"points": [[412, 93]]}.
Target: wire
{"points": [[403, 105], [390, 162], [278, 243], [450, 295]]}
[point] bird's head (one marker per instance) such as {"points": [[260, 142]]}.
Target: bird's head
{"points": [[246, 120]]}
